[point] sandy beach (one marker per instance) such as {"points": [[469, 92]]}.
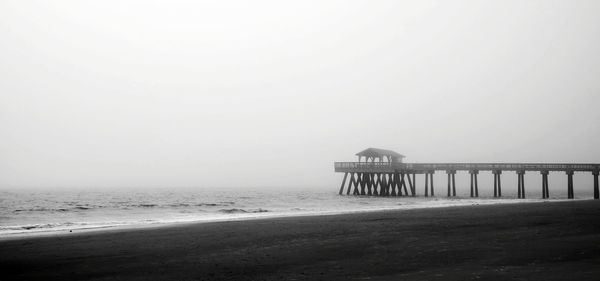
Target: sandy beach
{"points": [[534, 241]]}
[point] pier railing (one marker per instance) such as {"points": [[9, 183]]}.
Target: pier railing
{"points": [[422, 167], [364, 166]]}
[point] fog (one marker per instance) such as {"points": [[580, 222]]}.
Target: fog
{"points": [[246, 94]]}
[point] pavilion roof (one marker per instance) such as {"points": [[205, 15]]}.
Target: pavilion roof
{"points": [[378, 152]]}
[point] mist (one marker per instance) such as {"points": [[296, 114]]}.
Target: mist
{"points": [[239, 94]]}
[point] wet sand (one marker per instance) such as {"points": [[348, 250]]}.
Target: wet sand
{"points": [[533, 241]]}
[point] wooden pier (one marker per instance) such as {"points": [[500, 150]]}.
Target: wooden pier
{"points": [[383, 173]]}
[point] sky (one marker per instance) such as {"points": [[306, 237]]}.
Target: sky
{"points": [[250, 94]]}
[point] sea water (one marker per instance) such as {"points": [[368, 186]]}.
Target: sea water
{"points": [[26, 212]]}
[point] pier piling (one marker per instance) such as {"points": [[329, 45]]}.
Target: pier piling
{"points": [[545, 191], [343, 183], [570, 193], [596, 191], [474, 185], [451, 183], [428, 180], [426, 184], [497, 183], [411, 184], [521, 184]]}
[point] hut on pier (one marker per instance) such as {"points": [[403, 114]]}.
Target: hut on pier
{"points": [[382, 155]]}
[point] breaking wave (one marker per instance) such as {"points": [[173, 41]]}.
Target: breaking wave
{"points": [[236, 210]]}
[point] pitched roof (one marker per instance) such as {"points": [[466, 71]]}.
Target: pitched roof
{"points": [[378, 152]]}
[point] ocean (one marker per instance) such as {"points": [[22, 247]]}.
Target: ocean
{"points": [[29, 212]]}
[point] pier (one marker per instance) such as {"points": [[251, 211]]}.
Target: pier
{"points": [[384, 173]]}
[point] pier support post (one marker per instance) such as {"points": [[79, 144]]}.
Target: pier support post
{"points": [[518, 185], [377, 186], [454, 184], [361, 184], [451, 183], [428, 178], [369, 183], [474, 184], [471, 183], [343, 183], [414, 186], [521, 184], [403, 184], [426, 184], [352, 181], [596, 191], [357, 184], [398, 183], [383, 188], [497, 183], [373, 185], [545, 192], [383, 191], [411, 184], [570, 193], [431, 179], [393, 183], [363, 181]]}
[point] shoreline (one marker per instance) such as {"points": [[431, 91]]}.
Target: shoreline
{"points": [[466, 201]]}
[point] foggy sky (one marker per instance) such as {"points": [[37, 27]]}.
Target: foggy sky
{"points": [[267, 93]]}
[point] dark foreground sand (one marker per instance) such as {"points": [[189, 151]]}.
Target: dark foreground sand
{"points": [[536, 241]]}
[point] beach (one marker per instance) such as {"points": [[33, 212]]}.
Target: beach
{"points": [[532, 241]]}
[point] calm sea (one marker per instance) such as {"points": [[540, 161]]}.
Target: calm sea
{"points": [[37, 212]]}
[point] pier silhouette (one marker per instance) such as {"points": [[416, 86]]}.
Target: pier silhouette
{"points": [[383, 173]]}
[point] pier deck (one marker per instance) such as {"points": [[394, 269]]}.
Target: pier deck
{"points": [[420, 168]]}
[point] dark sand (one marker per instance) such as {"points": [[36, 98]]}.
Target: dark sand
{"points": [[534, 241]]}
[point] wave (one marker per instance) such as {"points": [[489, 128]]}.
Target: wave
{"points": [[37, 226], [236, 210], [179, 205], [124, 207], [215, 204], [43, 210], [175, 205], [144, 205]]}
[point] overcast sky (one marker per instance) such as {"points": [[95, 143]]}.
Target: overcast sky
{"points": [[271, 93]]}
